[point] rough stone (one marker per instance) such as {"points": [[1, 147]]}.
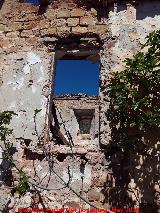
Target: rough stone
{"points": [[77, 12], [63, 14], [48, 32], [85, 21], [44, 24], [58, 22], [15, 26], [72, 22], [63, 30], [27, 33], [79, 30], [50, 14], [13, 34]]}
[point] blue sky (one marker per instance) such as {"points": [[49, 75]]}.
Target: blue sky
{"points": [[77, 76], [36, 2]]}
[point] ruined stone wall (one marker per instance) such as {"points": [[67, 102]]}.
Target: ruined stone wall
{"points": [[28, 38]]}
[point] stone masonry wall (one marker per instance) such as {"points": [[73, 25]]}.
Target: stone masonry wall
{"points": [[26, 68]]}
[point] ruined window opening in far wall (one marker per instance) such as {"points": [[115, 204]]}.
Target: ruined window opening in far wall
{"points": [[77, 75]]}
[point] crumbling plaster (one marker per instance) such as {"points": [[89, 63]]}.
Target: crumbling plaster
{"points": [[25, 84]]}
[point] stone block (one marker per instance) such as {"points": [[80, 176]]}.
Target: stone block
{"points": [[4, 28], [85, 21], [58, 22], [15, 26], [72, 22], [43, 24], [26, 17], [50, 14], [27, 33], [30, 25], [77, 12], [50, 31], [98, 28], [63, 13], [13, 34], [79, 30], [63, 30]]}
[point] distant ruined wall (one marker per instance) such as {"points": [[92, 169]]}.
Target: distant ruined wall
{"points": [[29, 36]]}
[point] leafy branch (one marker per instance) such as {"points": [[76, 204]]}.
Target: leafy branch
{"points": [[135, 91]]}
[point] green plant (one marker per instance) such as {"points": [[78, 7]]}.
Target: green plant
{"points": [[6, 145], [6, 131], [135, 91], [23, 185]]}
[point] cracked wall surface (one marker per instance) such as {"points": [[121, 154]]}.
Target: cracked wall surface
{"points": [[29, 37]]}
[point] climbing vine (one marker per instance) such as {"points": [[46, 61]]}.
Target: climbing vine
{"points": [[135, 91], [7, 145]]}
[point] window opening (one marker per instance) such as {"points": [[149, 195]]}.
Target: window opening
{"points": [[84, 118], [77, 76]]}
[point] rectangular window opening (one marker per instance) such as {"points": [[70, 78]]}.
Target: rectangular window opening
{"points": [[85, 119], [80, 76]]}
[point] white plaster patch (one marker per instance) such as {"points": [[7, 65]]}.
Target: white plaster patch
{"points": [[34, 89], [41, 69], [10, 82], [18, 84], [32, 58], [40, 79], [12, 105], [26, 69]]}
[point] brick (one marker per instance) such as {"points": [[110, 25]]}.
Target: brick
{"points": [[98, 28], [50, 14], [15, 26], [43, 24], [72, 22], [50, 31], [85, 21], [58, 22], [77, 12], [63, 14], [26, 17], [63, 30], [79, 30], [27, 33], [13, 34], [30, 25], [4, 28]]}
